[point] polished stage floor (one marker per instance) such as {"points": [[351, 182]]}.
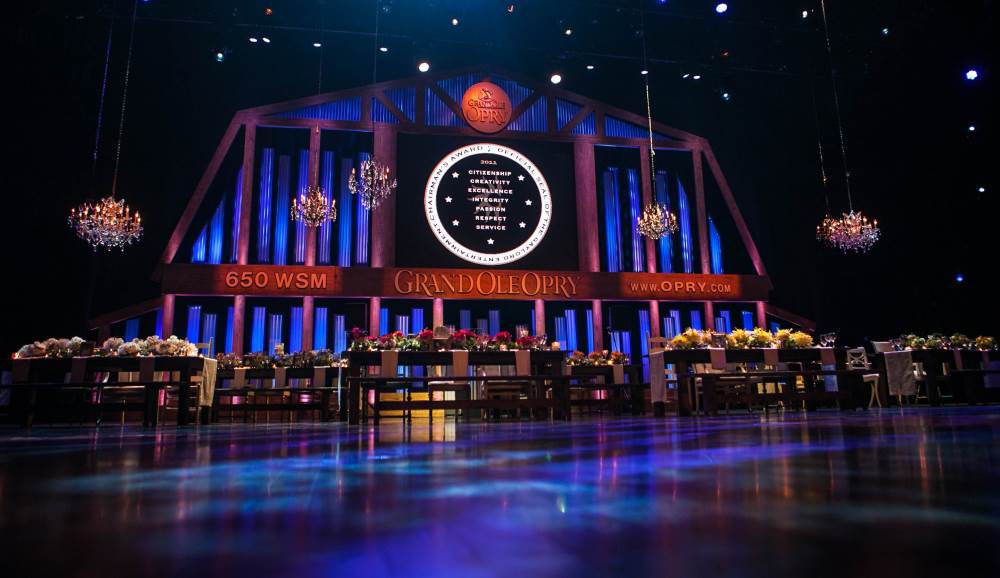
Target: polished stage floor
{"points": [[854, 494]]}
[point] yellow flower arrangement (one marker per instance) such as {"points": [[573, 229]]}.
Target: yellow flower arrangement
{"points": [[691, 339], [788, 339], [985, 343], [738, 339], [761, 338]]}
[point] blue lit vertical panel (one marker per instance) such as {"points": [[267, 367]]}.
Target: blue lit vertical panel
{"points": [[626, 343], [696, 320], [159, 322], [482, 326], [193, 323], [748, 321], [339, 333], [672, 325], [383, 321], [588, 315], [216, 229], [417, 319], [276, 322], [346, 228], [634, 208], [616, 341], [727, 321], [361, 248], [405, 99], [534, 119], [281, 208], [494, 316], [665, 242], [685, 219], [403, 324], [295, 331], [208, 324], [561, 331], [320, 316], [325, 235], [644, 333], [775, 326], [131, 329], [199, 247], [571, 342], [465, 319], [612, 223], [237, 209], [229, 330], [437, 113], [300, 227], [264, 206], [715, 242], [257, 329]]}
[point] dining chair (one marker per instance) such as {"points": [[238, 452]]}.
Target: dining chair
{"points": [[857, 358]]}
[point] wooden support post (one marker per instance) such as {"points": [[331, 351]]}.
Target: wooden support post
{"points": [[246, 199], [539, 317], [709, 316], [308, 321], [762, 314], [586, 206], [374, 311], [383, 224], [647, 198], [239, 317], [595, 312], [654, 319], [168, 314], [312, 232], [437, 312], [701, 213]]}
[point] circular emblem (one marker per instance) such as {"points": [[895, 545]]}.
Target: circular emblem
{"points": [[486, 107], [487, 204]]}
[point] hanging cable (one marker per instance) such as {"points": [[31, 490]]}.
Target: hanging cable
{"points": [[121, 118], [103, 93], [836, 106]]}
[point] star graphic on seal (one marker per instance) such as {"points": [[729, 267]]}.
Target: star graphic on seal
{"points": [[490, 241], [454, 175], [520, 177], [521, 224], [455, 222], [448, 199], [528, 202]]}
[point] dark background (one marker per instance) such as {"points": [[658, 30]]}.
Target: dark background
{"points": [[906, 108], [416, 245]]}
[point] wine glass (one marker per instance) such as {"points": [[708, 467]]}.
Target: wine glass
{"points": [[831, 339]]}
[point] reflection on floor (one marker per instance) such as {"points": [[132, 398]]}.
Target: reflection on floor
{"points": [[866, 493]]}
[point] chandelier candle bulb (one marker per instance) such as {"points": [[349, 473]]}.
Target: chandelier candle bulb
{"points": [[656, 221], [313, 208]]}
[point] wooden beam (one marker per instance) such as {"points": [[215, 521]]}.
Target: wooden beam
{"points": [[374, 312], [762, 314], [125, 313], [403, 119], [168, 315], [311, 232], [437, 312], [734, 210], [595, 313], [577, 119], [654, 319], [701, 214], [540, 317], [308, 322], [200, 190], [239, 322]]}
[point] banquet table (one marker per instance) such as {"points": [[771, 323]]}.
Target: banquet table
{"points": [[960, 368], [28, 375], [321, 380], [547, 362], [684, 359]]}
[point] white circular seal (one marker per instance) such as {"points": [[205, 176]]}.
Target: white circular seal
{"points": [[489, 202]]}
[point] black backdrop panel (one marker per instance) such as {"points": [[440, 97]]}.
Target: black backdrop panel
{"points": [[416, 245]]}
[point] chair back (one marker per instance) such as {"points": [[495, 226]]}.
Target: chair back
{"points": [[882, 346], [206, 347], [657, 344], [857, 358]]}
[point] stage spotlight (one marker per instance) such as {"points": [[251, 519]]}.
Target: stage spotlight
{"points": [[590, 67], [424, 66], [454, 21], [253, 40], [220, 56], [885, 32], [982, 189], [686, 75], [959, 278], [510, 8], [317, 45], [644, 72], [805, 14], [266, 40], [972, 128], [268, 12], [971, 74], [696, 77], [726, 96], [383, 49], [569, 31], [556, 78], [721, 8]]}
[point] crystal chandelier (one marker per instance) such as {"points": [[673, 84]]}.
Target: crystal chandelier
{"points": [[656, 221], [313, 207], [106, 223], [373, 183], [851, 232]]}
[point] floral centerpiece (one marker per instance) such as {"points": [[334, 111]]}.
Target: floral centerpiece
{"points": [[960, 341], [597, 358], [789, 339], [985, 343], [691, 339], [738, 339], [761, 338], [173, 346]]}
